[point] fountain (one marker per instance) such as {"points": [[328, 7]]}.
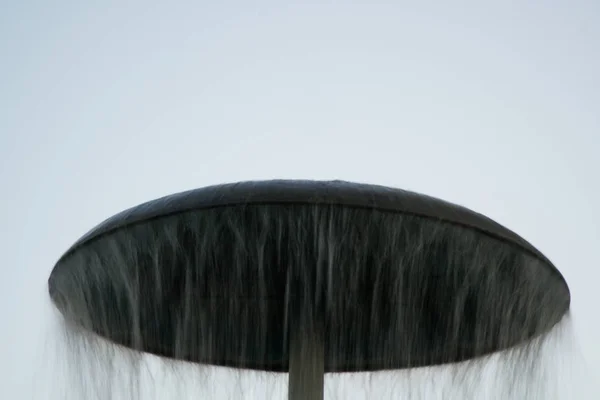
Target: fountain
{"points": [[308, 278]]}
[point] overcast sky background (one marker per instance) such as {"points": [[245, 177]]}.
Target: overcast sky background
{"points": [[492, 105]]}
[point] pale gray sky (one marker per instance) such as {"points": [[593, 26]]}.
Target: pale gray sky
{"points": [[493, 105]]}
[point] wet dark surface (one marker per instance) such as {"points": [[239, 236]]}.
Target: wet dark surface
{"points": [[423, 284]]}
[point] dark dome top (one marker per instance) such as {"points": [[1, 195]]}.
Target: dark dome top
{"points": [[217, 220]]}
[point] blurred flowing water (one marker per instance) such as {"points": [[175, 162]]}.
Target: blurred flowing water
{"points": [[224, 287]]}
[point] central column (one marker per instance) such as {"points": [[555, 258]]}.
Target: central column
{"points": [[306, 280], [307, 358]]}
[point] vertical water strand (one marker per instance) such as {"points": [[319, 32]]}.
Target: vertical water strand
{"points": [[102, 361], [261, 230], [306, 353]]}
